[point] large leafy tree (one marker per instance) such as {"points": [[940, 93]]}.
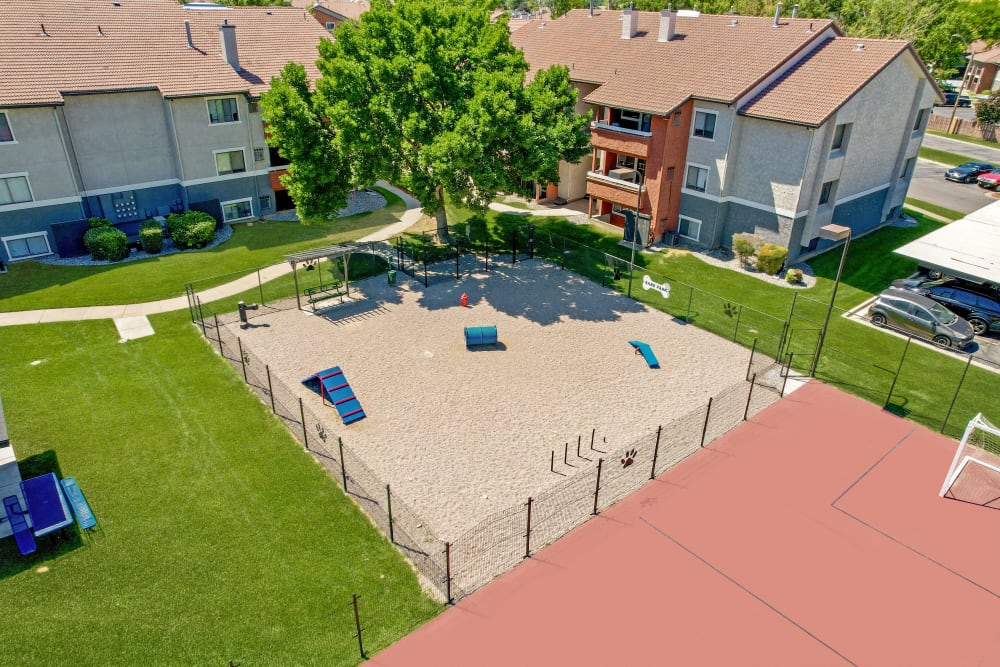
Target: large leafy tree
{"points": [[430, 93]]}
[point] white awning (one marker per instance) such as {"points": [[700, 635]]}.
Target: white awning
{"points": [[968, 248]]}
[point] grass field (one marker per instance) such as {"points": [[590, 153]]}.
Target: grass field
{"points": [[930, 207], [221, 539], [945, 157], [33, 285]]}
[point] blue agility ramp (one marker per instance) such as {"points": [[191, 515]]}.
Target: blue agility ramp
{"points": [[78, 503], [481, 335], [646, 351], [334, 387], [22, 534]]}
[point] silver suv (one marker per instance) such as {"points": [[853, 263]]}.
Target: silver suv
{"points": [[914, 314]]}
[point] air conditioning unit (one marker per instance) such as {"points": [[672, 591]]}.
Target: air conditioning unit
{"points": [[622, 174]]}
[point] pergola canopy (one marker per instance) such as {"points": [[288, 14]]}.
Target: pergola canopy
{"points": [[331, 252]]}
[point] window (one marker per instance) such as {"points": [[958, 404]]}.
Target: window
{"points": [[618, 208], [908, 167], [840, 136], [826, 194], [258, 154], [239, 209], [230, 162], [6, 135], [704, 124], [27, 245], [677, 118], [253, 107], [697, 178], [330, 25], [689, 228], [265, 203], [14, 189], [223, 110], [631, 120], [919, 121], [920, 313], [630, 162]]}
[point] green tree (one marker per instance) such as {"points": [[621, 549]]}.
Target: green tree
{"points": [[427, 92], [988, 110]]}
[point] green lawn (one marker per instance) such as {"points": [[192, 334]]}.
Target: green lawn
{"points": [[962, 137], [221, 539], [930, 207], [945, 157], [32, 285]]}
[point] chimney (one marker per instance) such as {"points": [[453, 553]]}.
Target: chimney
{"points": [[187, 29], [227, 38], [668, 25], [629, 20], [777, 16], [591, 8], [795, 11]]}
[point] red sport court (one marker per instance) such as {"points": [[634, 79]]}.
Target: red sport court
{"points": [[811, 535]]}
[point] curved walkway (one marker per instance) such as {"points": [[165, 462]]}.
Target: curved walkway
{"points": [[410, 216]]}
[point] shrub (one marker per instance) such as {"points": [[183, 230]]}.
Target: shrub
{"points": [[988, 110], [151, 236], [99, 222], [106, 243], [794, 276], [744, 247], [771, 257], [191, 229]]}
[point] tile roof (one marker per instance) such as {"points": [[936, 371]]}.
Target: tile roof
{"points": [[142, 45], [708, 59], [349, 9], [988, 56], [825, 79]]}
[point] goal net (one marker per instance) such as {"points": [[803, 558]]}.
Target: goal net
{"points": [[974, 476]]}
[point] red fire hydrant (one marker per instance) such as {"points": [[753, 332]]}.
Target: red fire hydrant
{"points": [[465, 300]]}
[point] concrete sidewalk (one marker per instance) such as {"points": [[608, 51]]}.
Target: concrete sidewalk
{"points": [[410, 216]]}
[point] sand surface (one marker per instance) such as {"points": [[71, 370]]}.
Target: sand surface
{"points": [[462, 433]]}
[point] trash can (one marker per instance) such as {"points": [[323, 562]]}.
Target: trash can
{"points": [[392, 276]]}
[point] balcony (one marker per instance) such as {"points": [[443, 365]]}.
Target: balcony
{"points": [[620, 139], [612, 189]]}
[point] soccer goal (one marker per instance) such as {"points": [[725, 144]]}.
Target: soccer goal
{"points": [[974, 476]]}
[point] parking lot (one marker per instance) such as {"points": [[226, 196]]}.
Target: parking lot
{"points": [[929, 184]]}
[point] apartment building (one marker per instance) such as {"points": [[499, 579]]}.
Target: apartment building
{"points": [[134, 109], [711, 125], [331, 13]]}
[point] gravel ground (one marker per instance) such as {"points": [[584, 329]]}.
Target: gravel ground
{"points": [[459, 433], [727, 260], [358, 201], [221, 236]]}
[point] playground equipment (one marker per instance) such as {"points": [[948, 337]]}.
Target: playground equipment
{"points": [[481, 335], [335, 388], [78, 503], [22, 534], [646, 351]]}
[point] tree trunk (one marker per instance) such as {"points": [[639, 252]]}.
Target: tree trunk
{"points": [[441, 216]]}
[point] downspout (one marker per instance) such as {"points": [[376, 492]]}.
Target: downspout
{"points": [[724, 183], [256, 186], [177, 153], [71, 162]]}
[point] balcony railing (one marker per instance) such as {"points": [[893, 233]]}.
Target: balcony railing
{"points": [[617, 128], [617, 182], [621, 140]]}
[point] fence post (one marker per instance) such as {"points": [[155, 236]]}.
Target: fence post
{"points": [[343, 469], [527, 535], [704, 428], [687, 317], [201, 316], [260, 287], [746, 410], [899, 368], [597, 488], [788, 370], [781, 340], [753, 349], [954, 398], [243, 362], [739, 316], [425, 273], [388, 502], [302, 416], [218, 332], [656, 451], [531, 241], [447, 571], [269, 389], [513, 247], [457, 274], [357, 623]]}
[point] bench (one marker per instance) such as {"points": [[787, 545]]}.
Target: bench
{"points": [[315, 295], [481, 335]]}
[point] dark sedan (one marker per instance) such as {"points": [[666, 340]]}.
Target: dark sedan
{"points": [[981, 307], [967, 173]]}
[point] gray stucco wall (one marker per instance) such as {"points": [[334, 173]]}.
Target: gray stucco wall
{"points": [[770, 226], [39, 152], [860, 214], [197, 138], [120, 139], [705, 210], [38, 219], [767, 161], [229, 190]]}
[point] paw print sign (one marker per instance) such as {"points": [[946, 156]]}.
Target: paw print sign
{"points": [[729, 310], [629, 458]]}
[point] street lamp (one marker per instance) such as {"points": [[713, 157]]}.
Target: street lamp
{"points": [[831, 233], [958, 95]]}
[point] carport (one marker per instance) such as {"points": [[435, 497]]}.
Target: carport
{"points": [[968, 248]]}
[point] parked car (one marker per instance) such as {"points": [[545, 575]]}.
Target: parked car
{"points": [[915, 314], [990, 181], [968, 172], [979, 306], [949, 99]]}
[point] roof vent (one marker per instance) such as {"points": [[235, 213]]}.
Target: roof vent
{"points": [[187, 29], [810, 27], [734, 22], [116, 4], [777, 16], [859, 47], [44, 33], [100, 33], [795, 11]]}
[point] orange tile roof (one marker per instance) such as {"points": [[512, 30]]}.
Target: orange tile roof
{"points": [[708, 59], [142, 45], [349, 9], [824, 80], [988, 56]]}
